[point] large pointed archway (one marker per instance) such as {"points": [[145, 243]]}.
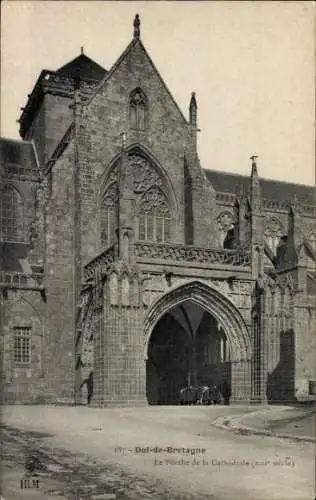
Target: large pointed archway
{"points": [[195, 335]]}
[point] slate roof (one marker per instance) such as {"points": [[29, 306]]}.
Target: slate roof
{"points": [[21, 153], [225, 182], [83, 67]]}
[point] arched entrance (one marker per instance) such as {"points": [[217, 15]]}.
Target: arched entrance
{"points": [[168, 361], [195, 335]]}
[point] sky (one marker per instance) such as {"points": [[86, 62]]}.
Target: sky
{"points": [[251, 64]]}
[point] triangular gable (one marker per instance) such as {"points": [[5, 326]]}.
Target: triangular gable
{"points": [[124, 54], [306, 254], [305, 250]]}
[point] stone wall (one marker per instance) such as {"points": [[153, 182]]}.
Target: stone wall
{"points": [[23, 382], [59, 282]]}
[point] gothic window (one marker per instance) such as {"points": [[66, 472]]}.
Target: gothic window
{"points": [[138, 109], [22, 345], [272, 232], [153, 216], [225, 224], [11, 215], [109, 211]]}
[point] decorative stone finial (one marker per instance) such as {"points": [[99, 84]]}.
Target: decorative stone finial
{"points": [[136, 27], [81, 50], [253, 158]]}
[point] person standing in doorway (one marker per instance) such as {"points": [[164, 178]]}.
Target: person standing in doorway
{"points": [[226, 392]]}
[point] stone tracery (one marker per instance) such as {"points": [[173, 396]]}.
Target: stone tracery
{"points": [[273, 230], [153, 216], [144, 174], [154, 199]]}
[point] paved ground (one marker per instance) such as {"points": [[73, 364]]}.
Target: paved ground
{"points": [[300, 425], [291, 422], [87, 453]]}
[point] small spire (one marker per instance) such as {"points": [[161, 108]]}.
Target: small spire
{"points": [[193, 109], [136, 27], [81, 50], [193, 100], [254, 170]]}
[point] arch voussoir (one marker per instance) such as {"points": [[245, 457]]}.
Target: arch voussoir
{"points": [[213, 302]]}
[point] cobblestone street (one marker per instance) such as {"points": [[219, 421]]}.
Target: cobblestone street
{"points": [[150, 453]]}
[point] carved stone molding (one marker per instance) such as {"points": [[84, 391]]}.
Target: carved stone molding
{"points": [[100, 264], [238, 292], [124, 286], [183, 253], [21, 280], [278, 283]]}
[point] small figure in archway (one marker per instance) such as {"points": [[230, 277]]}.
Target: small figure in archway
{"points": [[215, 395], [89, 385], [182, 396], [226, 391], [205, 396], [188, 395]]}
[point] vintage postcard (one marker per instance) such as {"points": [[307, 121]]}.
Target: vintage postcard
{"points": [[157, 250]]}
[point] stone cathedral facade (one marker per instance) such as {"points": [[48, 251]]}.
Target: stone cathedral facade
{"points": [[127, 269]]}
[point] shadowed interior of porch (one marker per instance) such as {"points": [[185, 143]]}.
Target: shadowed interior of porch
{"points": [[187, 347]]}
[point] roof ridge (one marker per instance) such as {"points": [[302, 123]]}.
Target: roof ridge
{"points": [[226, 173], [287, 182], [260, 178], [78, 57]]}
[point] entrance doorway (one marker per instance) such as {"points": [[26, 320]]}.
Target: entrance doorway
{"points": [[187, 346]]}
